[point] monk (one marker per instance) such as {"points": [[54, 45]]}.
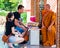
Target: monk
{"points": [[48, 26]]}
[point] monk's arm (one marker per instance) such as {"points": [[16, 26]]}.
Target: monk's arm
{"points": [[52, 23], [53, 19]]}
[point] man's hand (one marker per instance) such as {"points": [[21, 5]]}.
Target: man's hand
{"points": [[25, 29], [23, 33]]}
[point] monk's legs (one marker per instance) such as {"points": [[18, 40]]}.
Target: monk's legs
{"points": [[51, 36], [44, 35]]}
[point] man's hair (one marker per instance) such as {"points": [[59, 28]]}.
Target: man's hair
{"points": [[20, 7]]}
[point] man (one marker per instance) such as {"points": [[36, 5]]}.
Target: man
{"points": [[48, 26], [19, 26]]}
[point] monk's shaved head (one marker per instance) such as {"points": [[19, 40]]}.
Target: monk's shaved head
{"points": [[47, 6]]}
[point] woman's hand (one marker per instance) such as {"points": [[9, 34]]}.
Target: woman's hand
{"points": [[16, 33], [21, 35]]}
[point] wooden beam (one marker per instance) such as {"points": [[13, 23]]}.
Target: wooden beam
{"points": [[45, 1], [37, 10], [32, 7]]}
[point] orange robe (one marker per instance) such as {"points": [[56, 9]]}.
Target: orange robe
{"points": [[48, 38]]}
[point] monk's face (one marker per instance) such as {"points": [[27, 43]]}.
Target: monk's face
{"points": [[47, 7]]}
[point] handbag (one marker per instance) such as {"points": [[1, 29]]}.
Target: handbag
{"points": [[5, 38], [26, 36]]}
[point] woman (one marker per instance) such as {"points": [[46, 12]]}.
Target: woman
{"points": [[11, 31]]}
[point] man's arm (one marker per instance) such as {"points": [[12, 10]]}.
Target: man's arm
{"points": [[16, 22], [22, 23]]}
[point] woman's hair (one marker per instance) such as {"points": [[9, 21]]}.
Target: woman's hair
{"points": [[9, 15]]}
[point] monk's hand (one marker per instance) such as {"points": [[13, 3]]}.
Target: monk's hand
{"points": [[43, 26], [49, 28]]}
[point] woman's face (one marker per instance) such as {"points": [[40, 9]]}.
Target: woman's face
{"points": [[12, 18]]}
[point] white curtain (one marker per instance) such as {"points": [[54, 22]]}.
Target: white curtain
{"points": [[53, 4], [27, 7]]}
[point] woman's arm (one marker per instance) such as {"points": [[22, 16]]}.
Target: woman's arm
{"points": [[16, 33], [13, 31]]}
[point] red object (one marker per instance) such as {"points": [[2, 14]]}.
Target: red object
{"points": [[33, 18]]}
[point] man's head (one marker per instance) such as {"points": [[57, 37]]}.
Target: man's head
{"points": [[20, 8], [47, 7]]}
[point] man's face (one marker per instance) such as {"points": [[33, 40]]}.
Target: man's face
{"points": [[21, 10]]}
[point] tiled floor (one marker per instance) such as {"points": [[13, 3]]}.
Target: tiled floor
{"points": [[30, 46], [22, 46], [19, 46]]}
